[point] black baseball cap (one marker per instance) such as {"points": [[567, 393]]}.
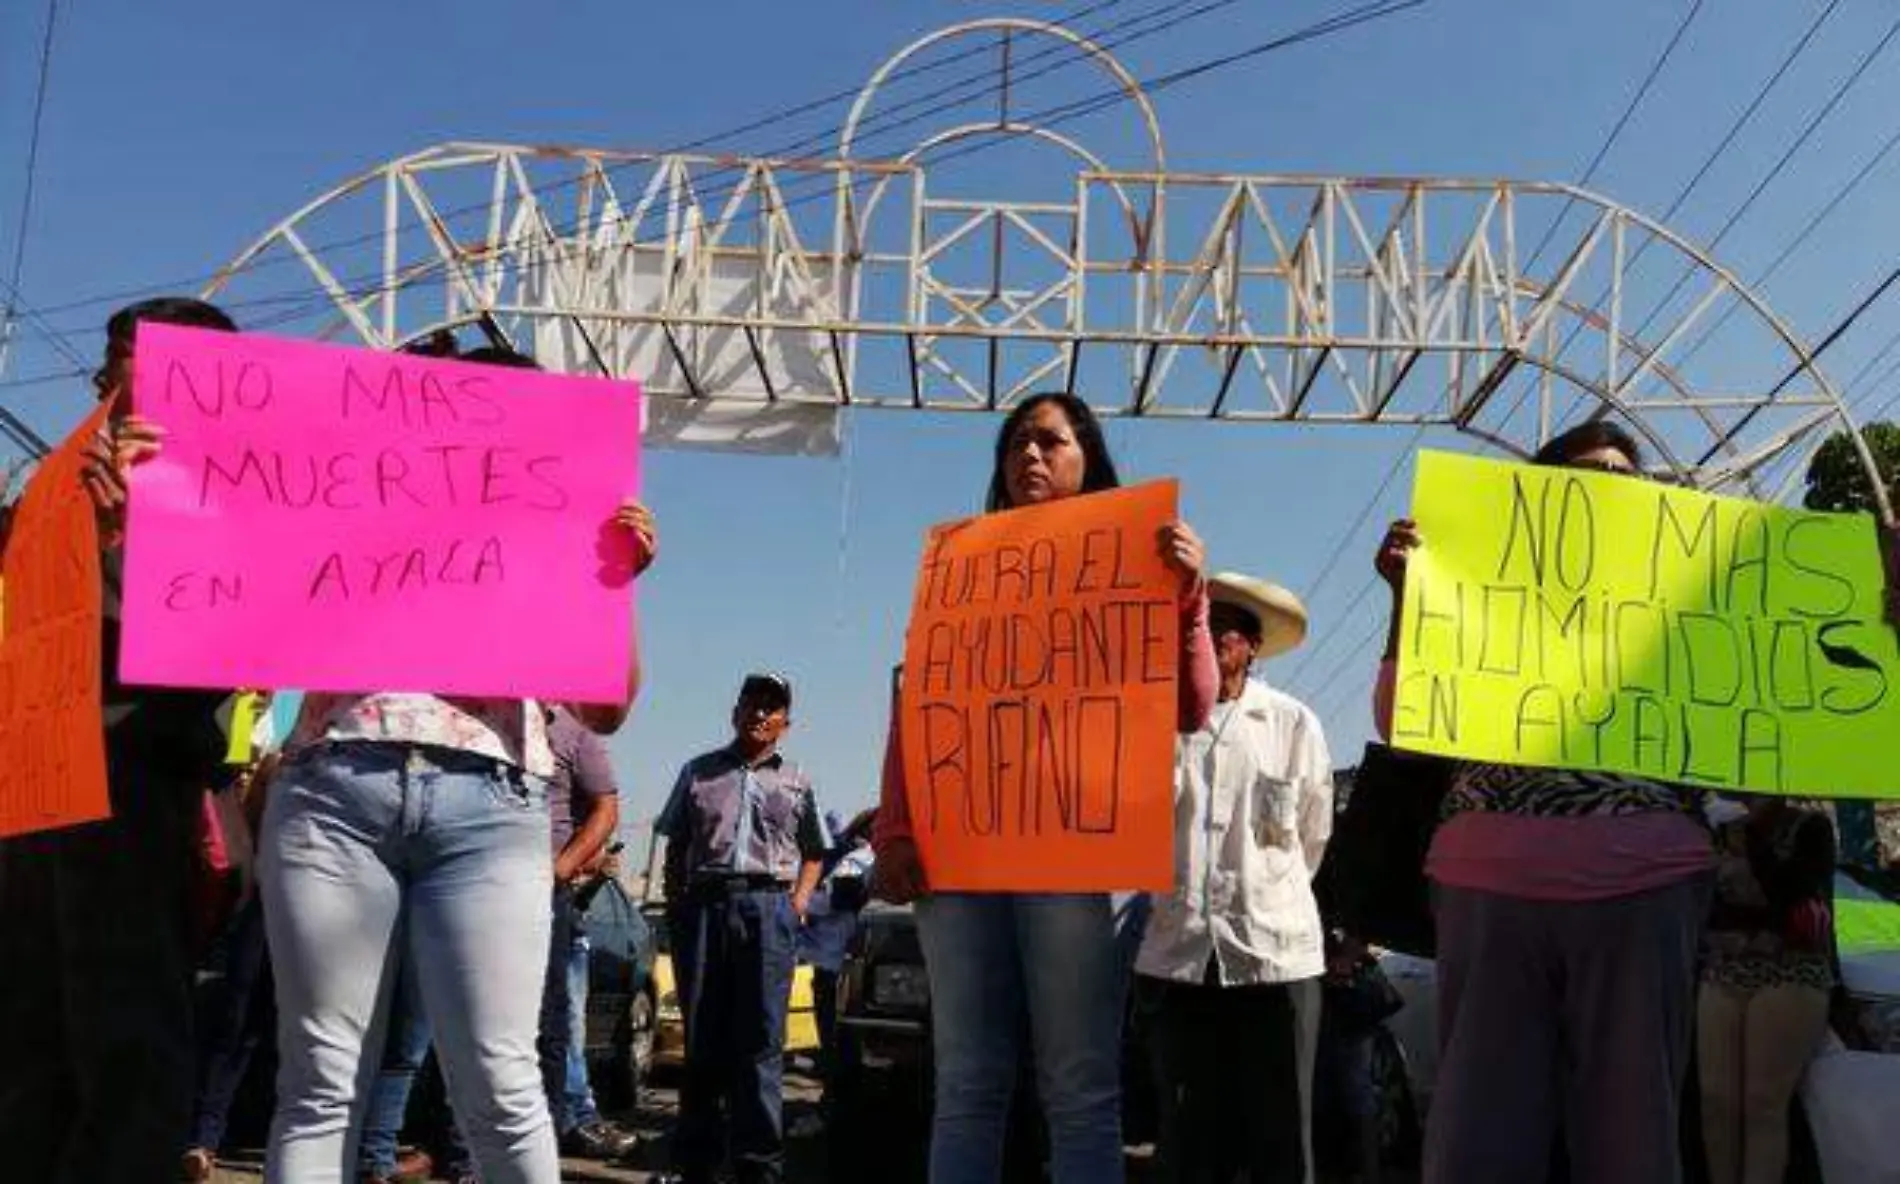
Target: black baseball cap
{"points": [[774, 689]]}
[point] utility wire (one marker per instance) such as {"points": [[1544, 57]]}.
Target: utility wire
{"points": [[1609, 141], [1049, 117], [770, 119], [1683, 193], [9, 316], [1835, 334], [1800, 141], [1616, 130]]}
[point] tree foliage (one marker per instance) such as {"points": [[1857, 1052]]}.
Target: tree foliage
{"points": [[1838, 481]]}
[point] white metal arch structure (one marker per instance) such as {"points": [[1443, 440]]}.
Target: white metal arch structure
{"points": [[763, 294]]}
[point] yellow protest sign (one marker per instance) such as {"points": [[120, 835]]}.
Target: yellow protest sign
{"points": [[1573, 619]]}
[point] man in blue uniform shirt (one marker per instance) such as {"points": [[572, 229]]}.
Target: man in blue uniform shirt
{"points": [[744, 843]]}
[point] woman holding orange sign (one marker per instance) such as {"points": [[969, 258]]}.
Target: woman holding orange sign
{"points": [[1053, 956]]}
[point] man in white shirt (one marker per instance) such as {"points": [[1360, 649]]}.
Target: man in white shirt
{"points": [[1232, 959]]}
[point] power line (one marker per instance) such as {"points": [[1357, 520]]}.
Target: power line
{"points": [[1814, 224], [362, 287], [1778, 469], [1339, 549], [1337, 703], [46, 378], [17, 307], [1768, 178], [1853, 384], [28, 186], [33, 147], [1748, 113], [1683, 192], [801, 191], [805, 191], [1610, 138], [16, 429], [1049, 117], [791, 148], [1076, 109], [1371, 636], [1866, 302], [1063, 113], [1880, 413], [1306, 660], [1616, 131]]}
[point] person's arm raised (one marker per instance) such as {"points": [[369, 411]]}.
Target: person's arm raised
{"points": [[1395, 555], [1198, 674], [644, 539]]}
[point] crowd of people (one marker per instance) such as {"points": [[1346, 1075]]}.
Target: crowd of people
{"points": [[391, 863]]}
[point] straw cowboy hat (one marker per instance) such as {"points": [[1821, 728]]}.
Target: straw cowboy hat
{"points": [[1281, 615]]}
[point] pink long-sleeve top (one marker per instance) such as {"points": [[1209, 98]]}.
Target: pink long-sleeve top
{"points": [[1197, 687]]}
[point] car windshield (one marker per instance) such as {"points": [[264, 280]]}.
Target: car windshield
{"points": [[1866, 919]]}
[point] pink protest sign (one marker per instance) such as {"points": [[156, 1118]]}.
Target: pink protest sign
{"points": [[335, 519]]}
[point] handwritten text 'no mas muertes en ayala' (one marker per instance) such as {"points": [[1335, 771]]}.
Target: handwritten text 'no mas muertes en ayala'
{"points": [[345, 519]]}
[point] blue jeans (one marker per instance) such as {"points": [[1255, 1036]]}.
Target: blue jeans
{"points": [[992, 959], [577, 1106], [366, 843], [733, 957], [557, 1008], [404, 1054]]}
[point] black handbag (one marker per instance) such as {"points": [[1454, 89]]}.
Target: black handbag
{"points": [[1360, 1002], [1372, 882]]}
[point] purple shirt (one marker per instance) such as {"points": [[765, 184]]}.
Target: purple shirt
{"points": [[727, 817], [583, 775]]}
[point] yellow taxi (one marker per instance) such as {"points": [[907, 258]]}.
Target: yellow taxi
{"points": [[669, 1036]]}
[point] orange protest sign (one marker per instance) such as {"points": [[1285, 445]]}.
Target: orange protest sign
{"points": [[52, 734], [1039, 700]]}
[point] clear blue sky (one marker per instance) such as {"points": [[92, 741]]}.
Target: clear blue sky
{"points": [[174, 134]]}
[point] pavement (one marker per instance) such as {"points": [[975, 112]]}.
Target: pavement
{"points": [[651, 1121]]}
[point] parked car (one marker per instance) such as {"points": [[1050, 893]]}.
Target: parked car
{"points": [[669, 1043], [882, 1088], [623, 995]]}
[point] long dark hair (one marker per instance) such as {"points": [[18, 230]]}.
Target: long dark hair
{"points": [[1589, 437], [1098, 468]]}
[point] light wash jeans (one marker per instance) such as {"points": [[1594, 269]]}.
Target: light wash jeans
{"points": [[577, 1101], [405, 1050], [368, 844], [992, 958], [405, 1053]]}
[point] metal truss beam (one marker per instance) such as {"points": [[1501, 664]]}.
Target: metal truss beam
{"points": [[1167, 294]]}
